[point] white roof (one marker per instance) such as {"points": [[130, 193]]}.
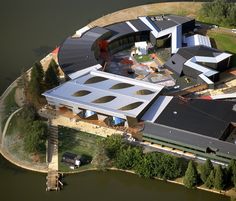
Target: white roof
{"points": [[101, 89], [198, 40], [156, 109], [81, 31]]}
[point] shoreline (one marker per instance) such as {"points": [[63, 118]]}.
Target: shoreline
{"points": [[121, 15]]}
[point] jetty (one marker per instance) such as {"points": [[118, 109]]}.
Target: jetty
{"points": [[53, 178]]}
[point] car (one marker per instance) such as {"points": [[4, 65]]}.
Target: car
{"points": [[233, 30]]}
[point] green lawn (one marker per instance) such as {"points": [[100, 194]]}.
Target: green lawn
{"points": [[9, 106], [14, 139], [77, 142], [225, 42], [142, 58]]}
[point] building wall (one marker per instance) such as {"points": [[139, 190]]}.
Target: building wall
{"points": [[188, 148]]}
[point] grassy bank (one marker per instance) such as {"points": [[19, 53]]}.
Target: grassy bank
{"points": [[14, 141], [77, 142], [9, 106], [225, 42]]}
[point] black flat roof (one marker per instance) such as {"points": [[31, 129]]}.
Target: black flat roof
{"points": [[204, 117], [77, 54]]}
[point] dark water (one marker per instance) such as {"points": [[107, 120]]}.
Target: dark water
{"points": [[30, 29], [17, 184]]}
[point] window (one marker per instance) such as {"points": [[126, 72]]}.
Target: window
{"points": [[95, 79], [104, 99], [144, 92], [131, 106], [81, 93], [121, 86]]}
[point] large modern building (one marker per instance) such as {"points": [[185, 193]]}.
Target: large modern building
{"points": [[205, 128]]}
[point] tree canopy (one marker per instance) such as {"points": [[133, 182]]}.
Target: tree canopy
{"points": [[220, 12], [191, 175], [219, 182], [206, 170], [34, 139], [51, 75]]}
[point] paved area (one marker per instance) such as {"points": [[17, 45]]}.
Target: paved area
{"points": [[85, 127]]}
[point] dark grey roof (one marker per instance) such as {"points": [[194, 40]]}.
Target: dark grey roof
{"points": [[77, 53], [209, 118], [176, 62], [178, 19], [164, 24], [118, 30], [178, 136], [138, 24], [200, 50]]}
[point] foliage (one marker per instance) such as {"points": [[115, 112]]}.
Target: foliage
{"points": [[206, 170], [159, 165], [219, 182], [219, 12], [231, 172], [36, 85], [191, 175], [35, 138], [112, 145], [51, 75], [210, 179], [128, 158]]}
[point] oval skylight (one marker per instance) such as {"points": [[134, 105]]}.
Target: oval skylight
{"points": [[81, 93], [104, 99], [95, 79], [121, 86], [144, 92], [131, 106]]}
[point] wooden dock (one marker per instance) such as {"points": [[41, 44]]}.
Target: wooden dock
{"points": [[53, 178], [53, 181]]}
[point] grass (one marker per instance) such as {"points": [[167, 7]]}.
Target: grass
{"points": [[142, 58], [14, 141], [225, 42], [77, 142], [9, 106]]}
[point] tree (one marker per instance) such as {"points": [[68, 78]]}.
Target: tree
{"points": [[191, 175], [51, 78], [231, 172], [219, 182], [35, 138], [206, 170], [36, 85], [128, 158], [113, 144], [210, 179]]}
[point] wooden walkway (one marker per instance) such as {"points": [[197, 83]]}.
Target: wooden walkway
{"points": [[53, 177]]}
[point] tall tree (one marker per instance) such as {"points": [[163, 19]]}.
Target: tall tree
{"points": [[191, 175], [206, 170], [219, 182], [210, 180], [51, 75]]}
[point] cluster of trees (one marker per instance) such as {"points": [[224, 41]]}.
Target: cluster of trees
{"points": [[41, 81], [213, 177], [34, 131], [220, 12], [114, 151]]}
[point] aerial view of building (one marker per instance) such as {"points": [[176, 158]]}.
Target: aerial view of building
{"points": [[110, 78]]}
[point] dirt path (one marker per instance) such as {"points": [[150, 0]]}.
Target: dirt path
{"points": [[179, 8]]}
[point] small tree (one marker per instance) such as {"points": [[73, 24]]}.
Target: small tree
{"points": [[191, 175], [206, 170], [35, 138], [231, 173], [219, 178], [210, 180], [51, 75]]}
